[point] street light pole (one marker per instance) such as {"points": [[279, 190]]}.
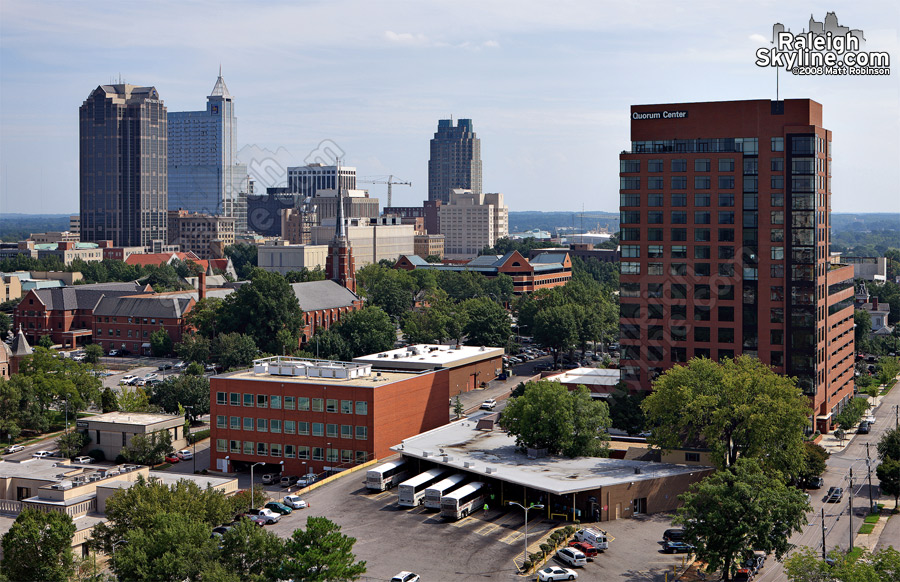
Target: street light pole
{"points": [[251, 481], [532, 506], [193, 442]]}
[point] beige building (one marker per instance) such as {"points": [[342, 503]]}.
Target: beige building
{"points": [[113, 431], [470, 222], [372, 239], [281, 257], [54, 237], [429, 245], [297, 224], [75, 224], [10, 287], [68, 251], [199, 233]]}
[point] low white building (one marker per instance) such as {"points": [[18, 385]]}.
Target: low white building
{"points": [[281, 257]]}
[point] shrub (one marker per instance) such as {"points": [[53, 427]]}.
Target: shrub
{"points": [[97, 455], [526, 566], [198, 436], [535, 557], [545, 548]]}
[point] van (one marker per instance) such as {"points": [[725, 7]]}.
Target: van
{"points": [[289, 480], [594, 536], [83, 459], [571, 557], [863, 428]]}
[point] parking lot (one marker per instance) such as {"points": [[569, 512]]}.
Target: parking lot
{"points": [[483, 545]]}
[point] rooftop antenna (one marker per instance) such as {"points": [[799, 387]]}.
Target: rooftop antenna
{"points": [[776, 83]]}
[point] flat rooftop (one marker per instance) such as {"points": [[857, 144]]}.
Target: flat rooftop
{"points": [[172, 478], [429, 357], [590, 377], [132, 418], [460, 442], [317, 372]]}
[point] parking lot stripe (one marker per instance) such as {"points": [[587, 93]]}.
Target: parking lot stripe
{"points": [[463, 522], [512, 538], [487, 529], [380, 496]]}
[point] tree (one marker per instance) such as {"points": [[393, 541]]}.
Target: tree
{"points": [[10, 408], [321, 553], [805, 565], [305, 274], [735, 407], [625, 410], [555, 328], [241, 501], [739, 509], [45, 341], [148, 449], [887, 369], [160, 343], [193, 348], [38, 547], [186, 391], [863, 325], [889, 445], [458, 407], [52, 381], [549, 416], [814, 462], [5, 324], [261, 308], [70, 444], [244, 258], [888, 472], [204, 316], [252, 552], [392, 290], [133, 399], [330, 345], [367, 331], [108, 400], [488, 323], [93, 353], [235, 350]]}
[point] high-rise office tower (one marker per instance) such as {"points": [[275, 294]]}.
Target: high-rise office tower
{"points": [[204, 174], [309, 179], [725, 227], [455, 160], [122, 142]]}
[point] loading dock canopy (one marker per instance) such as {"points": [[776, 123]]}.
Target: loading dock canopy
{"points": [[493, 454]]}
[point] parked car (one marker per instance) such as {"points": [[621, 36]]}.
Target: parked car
{"points": [[42, 454], [83, 459], [222, 529], [673, 535], [279, 508], [294, 502], [165, 366], [306, 480], [742, 575], [185, 455], [113, 353], [585, 548], [870, 419], [863, 428], [594, 536], [755, 563], [406, 577], [834, 495], [257, 519], [571, 557], [150, 376], [128, 379], [172, 458], [269, 478], [269, 515], [14, 449], [289, 480], [556, 573], [179, 365], [815, 483], [488, 404], [677, 548]]}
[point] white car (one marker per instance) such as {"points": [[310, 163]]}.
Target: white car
{"points": [[151, 376], [870, 419], [295, 502], [42, 455], [83, 459], [185, 455], [269, 515], [128, 379], [572, 557], [14, 449], [306, 480], [556, 573], [488, 404], [405, 577]]}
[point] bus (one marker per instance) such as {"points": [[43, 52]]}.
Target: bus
{"points": [[433, 494], [412, 491], [461, 502], [387, 475]]}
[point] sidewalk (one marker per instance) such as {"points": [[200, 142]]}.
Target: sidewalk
{"points": [[834, 445]]}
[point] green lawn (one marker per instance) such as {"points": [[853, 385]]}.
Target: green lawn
{"points": [[866, 528]]}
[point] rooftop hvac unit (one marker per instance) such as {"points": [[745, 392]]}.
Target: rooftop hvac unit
{"points": [[447, 458], [490, 470], [468, 464], [637, 470], [427, 453]]}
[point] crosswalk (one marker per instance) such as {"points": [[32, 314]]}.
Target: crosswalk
{"points": [[506, 528]]}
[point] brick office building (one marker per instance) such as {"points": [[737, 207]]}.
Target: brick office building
{"points": [[126, 323], [725, 229], [320, 415]]}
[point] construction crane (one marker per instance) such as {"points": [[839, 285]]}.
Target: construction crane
{"points": [[381, 180]]}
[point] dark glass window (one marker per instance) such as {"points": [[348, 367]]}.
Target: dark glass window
{"points": [[702, 269], [701, 165], [654, 200], [701, 217], [655, 217], [679, 234], [679, 182], [678, 291], [679, 311], [701, 313], [679, 165], [726, 292], [701, 235], [726, 235], [726, 164], [726, 200], [701, 182], [654, 311], [701, 334], [701, 252], [701, 200], [726, 269], [726, 313], [726, 217], [654, 234], [726, 182], [630, 310], [701, 292], [654, 166], [654, 290], [726, 335], [726, 252], [679, 217], [679, 200]]}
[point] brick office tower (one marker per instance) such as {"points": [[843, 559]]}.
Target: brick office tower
{"points": [[455, 160], [339, 265], [123, 169], [725, 228]]}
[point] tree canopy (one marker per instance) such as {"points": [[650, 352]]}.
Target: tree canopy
{"points": [[487, 323], [735, 408], [261, 308], [321, 553], [549, 416], [806, 565], [38, 547]]}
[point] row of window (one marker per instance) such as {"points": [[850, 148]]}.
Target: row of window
{"points": [[302, 403], [748, 145], [700, 252], [680, 290], [301, 452], [705, 217], [702, 200], [118, 333], [300, 427], [680, 355]]}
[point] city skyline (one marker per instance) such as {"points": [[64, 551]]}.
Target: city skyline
{"points": [[535, 79]]}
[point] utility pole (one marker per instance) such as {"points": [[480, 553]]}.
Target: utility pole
{"points": [[869, 473], [823, 533], [850, 499]]}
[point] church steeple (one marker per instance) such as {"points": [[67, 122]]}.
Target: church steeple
{"points": [[339, 264]]}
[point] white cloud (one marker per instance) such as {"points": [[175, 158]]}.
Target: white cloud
{"points": [[406, 38], [759, 39]]}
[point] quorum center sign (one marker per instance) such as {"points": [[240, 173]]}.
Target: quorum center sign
{"points": [[659, 115]]}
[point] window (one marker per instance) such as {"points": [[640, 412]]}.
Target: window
{"points": [[655, 217], [726, 335], [777, 182], [290, 451], [262, 424], [632, 183], [701, 235], [726, 269], [630, 199], [630, 268], [776, 293], [726, 313], [631, 251], [275, 402], [679, 182], [331, 430], [653, 234], [679, 165], [630, 331], [701, 292], [777, 217], [777, 358], [702, 217], [679, 251], [678, 291], [275, 450], [726, 252], [678, 311], [629, 166], [262, 401], [654, 166], [777, 144], [679, 234], [655, 251], [776, 315], [678, 269], [331, 405], [679, 354], [726, 217], [221, 446], [221, 422], [777, 253], [726, 235], [290, 426], [630, 217], [235, 446], [702, 269], [701, 182], [655, 183], [630, 234], [777, 164], [701, 252], [679, 200], [630, 310], [652, 200], [275, 425], [262, 449], [629, 290], [302, 427], [248, 399], [290, 402], [692, 457], [701, 200], [726, 164], [726, 182], [318, 404], [302, 452], [726, 292], [221, 398], [679, 333], [318, 429], [362, 433], [777, 235], [701, 334], [777, 200], [654, 311], [654, 269], [726, 200], [362, 407], [235, 422], [346, 407], [248, 423], [702, 312], [701, 165], [654, 290], [346, 431], [776, 337]]}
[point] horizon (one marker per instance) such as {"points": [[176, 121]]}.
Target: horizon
{"points": [[549, 89]]}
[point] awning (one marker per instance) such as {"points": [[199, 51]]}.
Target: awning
{"points": [[145, 345]]}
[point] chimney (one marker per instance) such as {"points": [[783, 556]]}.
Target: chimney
{"points": [[202, 286], [874, 303]]}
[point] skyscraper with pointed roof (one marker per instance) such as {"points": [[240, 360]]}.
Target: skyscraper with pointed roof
{"points": [[204, 174], [339, 264]]}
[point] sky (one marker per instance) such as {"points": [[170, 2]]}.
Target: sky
{"points": [[548, 85]]}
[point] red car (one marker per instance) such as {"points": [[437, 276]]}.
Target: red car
{"points": [[585, 548], [257, 519], [172, 459]]}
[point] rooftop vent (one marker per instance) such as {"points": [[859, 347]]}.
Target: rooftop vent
{"points": [[637, 470], [427, 453], [490, 470], [468, 464]]}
